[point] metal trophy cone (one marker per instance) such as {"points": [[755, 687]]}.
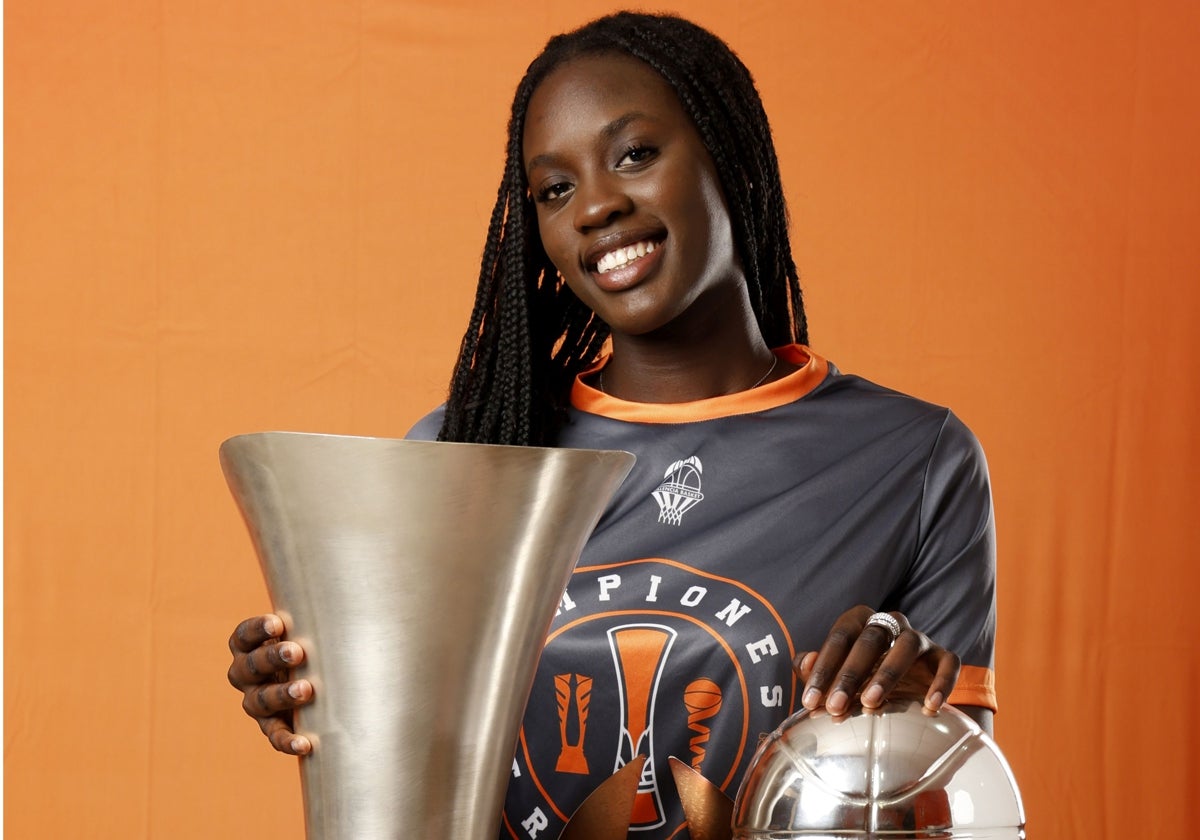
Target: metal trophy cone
{"points": [[421, 579]]}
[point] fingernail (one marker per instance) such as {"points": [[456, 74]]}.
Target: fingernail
{"points": [[273, 626], [287, 653], [299, 745], [934, 701], [838, 702], [295, 691], [812, 698], [873, 696]]}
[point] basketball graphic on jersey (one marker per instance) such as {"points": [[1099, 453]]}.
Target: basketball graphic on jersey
{"points": [[679, 491], [702, 698]]}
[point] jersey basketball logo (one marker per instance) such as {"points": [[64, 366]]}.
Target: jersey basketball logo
{"points": [[679, 491]]}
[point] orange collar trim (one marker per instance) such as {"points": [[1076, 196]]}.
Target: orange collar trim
{"points": [[812, 372]]}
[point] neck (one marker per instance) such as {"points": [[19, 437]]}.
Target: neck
{"points": [[724, 356]]}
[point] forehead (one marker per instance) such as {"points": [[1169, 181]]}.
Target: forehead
{"points": [[585, 94]]}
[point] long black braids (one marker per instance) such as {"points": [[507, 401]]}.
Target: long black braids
{"points": [[529, 335]]}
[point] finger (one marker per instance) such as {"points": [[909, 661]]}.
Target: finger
{"points": [[837, 646], [869, 651], [944, 679], [803, 664], [268, 701], [254, 631], [262, 664], [872, 644], [282, 738], [897, 662]]}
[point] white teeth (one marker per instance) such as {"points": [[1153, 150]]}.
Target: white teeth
{"points": [[621, 256]]}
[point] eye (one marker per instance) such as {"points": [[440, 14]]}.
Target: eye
{"points": [[552, 191], [637, 153]]}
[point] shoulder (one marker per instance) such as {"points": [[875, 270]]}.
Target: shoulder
{"points": [[954, 451], [957, 468], [861, 409], [852, 389], [958, 444], [427, 427], [856, 407]]}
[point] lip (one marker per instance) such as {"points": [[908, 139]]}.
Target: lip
{"points": [[620, 239], [628, 275]]}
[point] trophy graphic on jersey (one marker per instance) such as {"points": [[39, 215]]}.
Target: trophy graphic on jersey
{"points": [[421, 579], [640, 653], [574, 694]]}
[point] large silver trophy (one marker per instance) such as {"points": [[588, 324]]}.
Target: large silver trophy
{"points": [[421, 579]]}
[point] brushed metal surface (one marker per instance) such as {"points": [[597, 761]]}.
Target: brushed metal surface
{"points": [[899, 773], [707, 809], [421, 579], [606, 812]]}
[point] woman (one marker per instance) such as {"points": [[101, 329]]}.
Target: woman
{"points": [[638, 292]]}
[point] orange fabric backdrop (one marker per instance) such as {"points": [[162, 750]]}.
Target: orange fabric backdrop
{"points": [[231, 216]]}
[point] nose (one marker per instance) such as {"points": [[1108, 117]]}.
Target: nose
{"points": [[599, 201]]}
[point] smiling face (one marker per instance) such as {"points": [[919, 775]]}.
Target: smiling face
{"points": [[629, 204]]}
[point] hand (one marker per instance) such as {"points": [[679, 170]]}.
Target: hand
{"points": [[260, 661], [856, 657]]}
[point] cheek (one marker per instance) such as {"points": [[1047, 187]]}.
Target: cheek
{"points": [[716, 208], [562, 253], [693, 194], [711, 205], [552, 241]]}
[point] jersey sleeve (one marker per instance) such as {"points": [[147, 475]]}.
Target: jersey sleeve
{"points": [[950, 591]]}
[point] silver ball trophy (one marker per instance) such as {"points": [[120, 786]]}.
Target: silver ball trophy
{"points": [[894, 773]]}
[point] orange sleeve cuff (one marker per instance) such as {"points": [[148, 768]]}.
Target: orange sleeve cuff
{"points": [[976, 687]]}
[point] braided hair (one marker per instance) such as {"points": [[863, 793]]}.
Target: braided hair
{"points": [[529, 335]]}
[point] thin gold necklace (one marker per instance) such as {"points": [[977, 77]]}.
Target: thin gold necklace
{"points": [[761, 379]]}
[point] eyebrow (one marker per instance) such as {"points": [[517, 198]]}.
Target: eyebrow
{"points": [[607, 133]]}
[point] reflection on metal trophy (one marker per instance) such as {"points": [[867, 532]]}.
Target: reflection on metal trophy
{"points": [[421, 579], [898, 772]]}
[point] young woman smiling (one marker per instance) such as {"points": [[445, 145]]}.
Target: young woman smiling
{"points": [[638, 292]]}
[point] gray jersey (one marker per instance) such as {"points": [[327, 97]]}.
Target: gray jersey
{"points": [[748, 525]]}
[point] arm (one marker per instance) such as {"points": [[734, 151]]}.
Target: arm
{"points": [[980, 715], [948, 595]]}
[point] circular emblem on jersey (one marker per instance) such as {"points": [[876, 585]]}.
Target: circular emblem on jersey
{"points": [[647, 657]]}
